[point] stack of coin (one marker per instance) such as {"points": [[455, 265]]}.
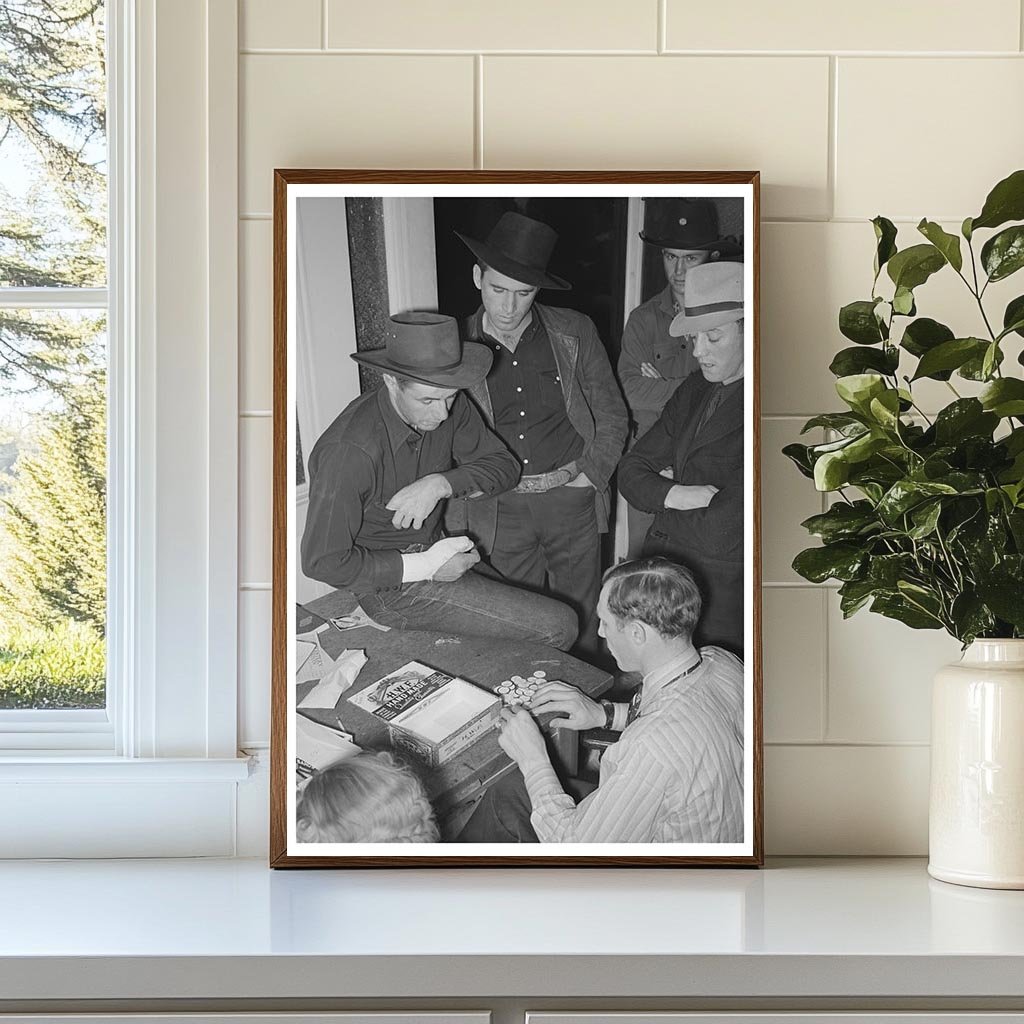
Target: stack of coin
{"points": [[518, 691]]}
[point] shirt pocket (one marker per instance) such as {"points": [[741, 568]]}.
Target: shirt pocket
{"points": [[671, 357], [549, 389]]}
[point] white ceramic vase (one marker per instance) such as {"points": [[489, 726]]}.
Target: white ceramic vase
{"points": [[976, 813]]}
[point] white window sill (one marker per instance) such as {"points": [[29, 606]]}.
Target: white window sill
{"points": [[78, 767]]}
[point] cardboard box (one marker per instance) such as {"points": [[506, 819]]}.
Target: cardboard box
{"points": [[428, 712]]}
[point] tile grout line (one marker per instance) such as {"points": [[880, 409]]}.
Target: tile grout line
{"points": [[825, 710], [832, 169], [342, 51], [478, 111]]}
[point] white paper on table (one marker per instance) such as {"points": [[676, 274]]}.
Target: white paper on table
{"points": [[335, 681], [319, 745], [310, 659]]}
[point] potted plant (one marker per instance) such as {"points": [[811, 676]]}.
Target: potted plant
{"points": [[927, 521]]}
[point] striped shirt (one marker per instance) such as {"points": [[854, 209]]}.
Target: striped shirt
{"points": [[674, 776]]}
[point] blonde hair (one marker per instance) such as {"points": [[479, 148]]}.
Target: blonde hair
{"points": [[369, 798]]}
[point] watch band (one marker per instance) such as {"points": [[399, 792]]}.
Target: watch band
{"points": [[609, 713]]}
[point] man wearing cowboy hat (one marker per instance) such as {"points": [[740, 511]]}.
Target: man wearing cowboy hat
{"points": [[380, 475], [552, 398], [698, 512], [652, 363]]}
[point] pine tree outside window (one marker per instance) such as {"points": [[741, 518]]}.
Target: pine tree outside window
{"points": [[53, 361]]}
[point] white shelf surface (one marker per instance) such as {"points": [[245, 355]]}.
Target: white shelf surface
{"points": [[235, 929]]}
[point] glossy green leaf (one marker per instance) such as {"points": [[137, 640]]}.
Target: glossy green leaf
{"points": [[911, 267], [858, 389], [965, 229], [840, 561], [885, 409], [842, 521], [903, 302], [1004, 397], [902, 610], [841, 421], [949, 356], [1005, 202], [966, 417], [850, 361], [923, 335], [831, 471], [1013, 317], [854, 594], [925, 518], [799, 455], [885, 238], [857, 321], [990, 360], [1003, 254], [906, 494], [1006, 599], [974, 368], [947, 244], [971, 616]]}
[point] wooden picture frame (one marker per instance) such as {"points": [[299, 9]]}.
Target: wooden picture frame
{"points": [[351, 249]]}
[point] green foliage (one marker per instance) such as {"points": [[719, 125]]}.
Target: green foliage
{"points": [[60, 667], [927, 525], [53, 521]]}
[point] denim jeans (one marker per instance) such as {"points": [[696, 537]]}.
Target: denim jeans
{"points": [[550, 542], [475, 606]]}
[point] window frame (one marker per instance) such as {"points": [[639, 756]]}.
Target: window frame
{"points": [[173, 432]]}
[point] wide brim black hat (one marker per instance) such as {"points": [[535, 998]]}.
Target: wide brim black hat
{"points": [[690, 224], [426, 347], [519, 247]]}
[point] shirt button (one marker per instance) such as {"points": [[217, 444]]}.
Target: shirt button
{"points": [[522, 413], [515, 362], [519, 389], [526, 462], [521, 437]]}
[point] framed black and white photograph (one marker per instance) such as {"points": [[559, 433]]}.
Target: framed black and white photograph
{"points": [[516, 554]]}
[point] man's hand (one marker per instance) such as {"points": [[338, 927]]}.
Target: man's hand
{"points": [[684, 497], [520, 738], [456, 566], [414, 503], [648, 370], [574, 708], [581, 481]]}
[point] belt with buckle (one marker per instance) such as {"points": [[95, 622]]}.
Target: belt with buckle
{"points": [[541, 482]]}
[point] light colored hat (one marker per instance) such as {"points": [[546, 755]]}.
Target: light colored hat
{"points": [[714, 296]]}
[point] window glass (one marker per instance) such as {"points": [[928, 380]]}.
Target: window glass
{"points": [[53, 357]]}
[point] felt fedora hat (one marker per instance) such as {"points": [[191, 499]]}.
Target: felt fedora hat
{"points": [[519, 247], [686, 224], [714, 296], [426, 347]]}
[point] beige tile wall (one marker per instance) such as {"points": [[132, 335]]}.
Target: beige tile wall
{"points": [[909, 109]]}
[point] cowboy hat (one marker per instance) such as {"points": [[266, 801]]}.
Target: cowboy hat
{"points": [[714, 296], [519, 247], [686, 224], [426, 347]]}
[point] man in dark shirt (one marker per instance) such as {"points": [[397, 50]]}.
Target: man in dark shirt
{"points": [[379, 477], [552, 398], [699, 512], [652, 362]]}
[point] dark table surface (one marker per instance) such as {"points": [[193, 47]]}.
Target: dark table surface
{"points": [[484, 662]]}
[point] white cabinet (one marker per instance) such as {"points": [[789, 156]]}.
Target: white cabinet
{"points": [[362, 1017], [775, 1018]]}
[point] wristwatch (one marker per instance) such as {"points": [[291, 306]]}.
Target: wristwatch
{"points": [[609, 713]]}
